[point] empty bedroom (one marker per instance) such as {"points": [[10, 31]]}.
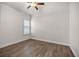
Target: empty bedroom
{"points": [[39, 29]]}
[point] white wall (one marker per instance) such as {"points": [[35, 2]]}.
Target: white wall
{"points": [[0, 22], [11, 26], [52, 23], [74, 27]]}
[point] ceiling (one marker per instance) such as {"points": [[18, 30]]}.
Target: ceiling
{"points": [[22, 6], [49, 7]]}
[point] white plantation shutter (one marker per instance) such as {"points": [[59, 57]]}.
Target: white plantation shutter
{"points": [[26, 27]]}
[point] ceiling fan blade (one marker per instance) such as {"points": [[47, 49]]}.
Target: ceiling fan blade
{"points": [[36, 8], [40, 3], [28, 7]]}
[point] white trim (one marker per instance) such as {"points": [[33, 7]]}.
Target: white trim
{"points": [[35, 39], [74, 52], [51, 41], [12, 43]]}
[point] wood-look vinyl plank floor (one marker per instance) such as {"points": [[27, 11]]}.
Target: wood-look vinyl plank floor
{"points": [[36, 48]]}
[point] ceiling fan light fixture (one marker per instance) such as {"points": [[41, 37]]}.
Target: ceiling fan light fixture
{"points": [[33, 4]]}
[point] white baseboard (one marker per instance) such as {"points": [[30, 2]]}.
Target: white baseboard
{"points": [[74, 52], [51, 41], [36, 39], [12, 43]]}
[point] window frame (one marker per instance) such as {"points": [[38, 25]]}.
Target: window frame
{"points": [[27, 26]]}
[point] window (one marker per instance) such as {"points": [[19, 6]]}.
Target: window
{"points": [[26, 27]]}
